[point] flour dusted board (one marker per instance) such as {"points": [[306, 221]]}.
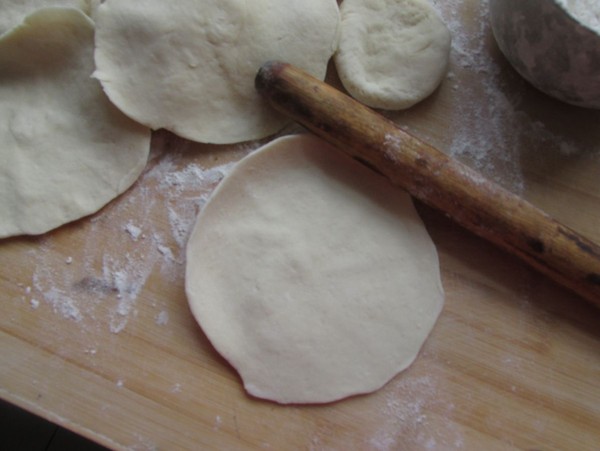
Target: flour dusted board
{"points": [[96, 334]]}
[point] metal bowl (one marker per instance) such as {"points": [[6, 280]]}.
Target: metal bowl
{"points": [[550, 47]]}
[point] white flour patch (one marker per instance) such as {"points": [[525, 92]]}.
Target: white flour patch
{"points": [[406, 417], [483, 133], [162, 318], [218, 423], [127, 277], [147, 228], [175, 185], [62, 304], [134, 231], [166, 252], [587, 12], [58, 297], [143, 444]]}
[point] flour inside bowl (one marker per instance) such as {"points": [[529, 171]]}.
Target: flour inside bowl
{"points": [[587, 12]]}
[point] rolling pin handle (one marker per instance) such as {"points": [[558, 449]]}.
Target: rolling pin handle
{"points": [[434, 178]]}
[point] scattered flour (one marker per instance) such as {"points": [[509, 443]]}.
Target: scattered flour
{"points": [[218, 423], [162, 318], [176, 183], [134, 231], [406, 423], [58, 298], [63, 304], [492, 135], [143, 444], [166, 252], [127, 278], [483, 133], [102, 289]]}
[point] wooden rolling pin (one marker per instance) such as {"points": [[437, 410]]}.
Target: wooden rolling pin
{"points": [[434, 178]]}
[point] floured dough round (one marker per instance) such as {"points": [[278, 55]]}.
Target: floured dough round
{"points": [[189, 66], [12, 12], [392, 53], [66, 150], [311, 275]]}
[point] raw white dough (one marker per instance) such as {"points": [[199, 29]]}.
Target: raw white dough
{"points": [[12, 12], [392, 53], [66, 150], [189, 66], [311, 274]]}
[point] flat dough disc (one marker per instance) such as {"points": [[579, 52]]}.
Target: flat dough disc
{"points": [[14, 11], [311, 274], [392, 53], [66, 150], [189, 66]]}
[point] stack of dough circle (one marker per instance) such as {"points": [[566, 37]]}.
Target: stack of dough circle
{"points": [[189, 66], [311, 275], [66, 150], [14, 11]]}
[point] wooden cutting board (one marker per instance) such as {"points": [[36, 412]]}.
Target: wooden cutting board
{"points": [[96, 334]]}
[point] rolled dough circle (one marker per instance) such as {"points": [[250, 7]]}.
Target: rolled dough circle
{"points": [[66, 150], [392, 53], [189, 66], [14, 11], [311, 275]]}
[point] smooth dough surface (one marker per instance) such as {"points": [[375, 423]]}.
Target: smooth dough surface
{"points": [[311, 274], [12, 12], [392, 53], [66, 150], [189, 66]]}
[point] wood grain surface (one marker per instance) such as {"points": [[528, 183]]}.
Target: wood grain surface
{"points": [[96, 334]]}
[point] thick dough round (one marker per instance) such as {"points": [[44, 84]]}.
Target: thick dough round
{"points": [[311, 274], [189, 66], [66, 150], [392, 53]]}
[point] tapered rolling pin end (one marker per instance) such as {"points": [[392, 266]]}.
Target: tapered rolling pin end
{"points": [[267, 74]]}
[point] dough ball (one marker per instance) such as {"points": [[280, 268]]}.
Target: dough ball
{"points": [[392, 53], [189, 66], [14, 11], [66, 150], [311, 274]]}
